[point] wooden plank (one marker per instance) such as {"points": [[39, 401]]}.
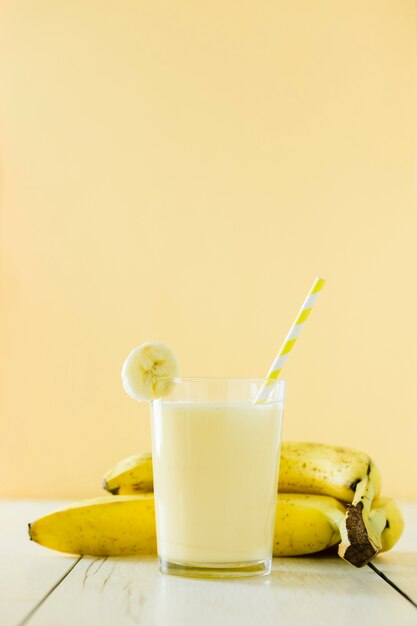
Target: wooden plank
{"points": [[128, 591], [27, 571], [400, 564], [315, 591]]}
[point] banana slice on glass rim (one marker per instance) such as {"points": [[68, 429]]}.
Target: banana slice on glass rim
{"points": [[147, 370]]}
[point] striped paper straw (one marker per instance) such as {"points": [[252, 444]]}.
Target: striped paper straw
{"points": [[290, 339]]}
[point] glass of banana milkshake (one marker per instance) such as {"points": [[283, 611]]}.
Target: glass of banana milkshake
{"points": [[215, 461]]}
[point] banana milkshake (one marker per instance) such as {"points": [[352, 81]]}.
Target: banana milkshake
{"points": [[216, 473]]}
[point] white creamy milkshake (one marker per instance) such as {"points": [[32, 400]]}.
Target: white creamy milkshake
{"points": [[215, 472]]}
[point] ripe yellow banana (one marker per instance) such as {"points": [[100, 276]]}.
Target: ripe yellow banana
{"points": [[104, 526], [305, 524], [304, 468], [125, 525], [323, 469], [388, 520], [132, 475]]}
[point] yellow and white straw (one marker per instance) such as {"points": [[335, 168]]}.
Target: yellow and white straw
{"points": [[290, 339]]}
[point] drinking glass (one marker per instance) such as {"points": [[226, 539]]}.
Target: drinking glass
{"points": [[216, 462]]}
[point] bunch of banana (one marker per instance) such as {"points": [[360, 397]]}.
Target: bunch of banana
{"points": [[348, 475], [328, 495]]}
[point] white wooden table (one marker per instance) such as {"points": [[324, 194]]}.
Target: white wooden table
{"points": [[39, 587]]}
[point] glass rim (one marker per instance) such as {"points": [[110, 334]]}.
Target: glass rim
{"points": [[200, 379]]}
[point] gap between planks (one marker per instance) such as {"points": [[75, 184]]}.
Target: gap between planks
{"points": [[27, 617], [390, 582]]}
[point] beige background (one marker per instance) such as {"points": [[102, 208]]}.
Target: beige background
{"points": [[180, 171]]}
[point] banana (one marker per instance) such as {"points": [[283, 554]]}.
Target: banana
{"points": [[125, 525], [304, 468], [388, 520], [132, 475], [305, 524], [325, 470], [104, 526], [147, 370]]}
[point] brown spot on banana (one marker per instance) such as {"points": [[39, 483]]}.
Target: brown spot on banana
{"points": [[143, 487]]}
